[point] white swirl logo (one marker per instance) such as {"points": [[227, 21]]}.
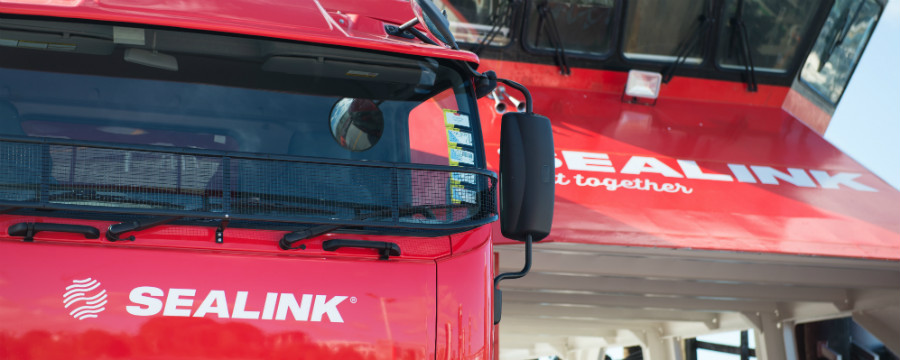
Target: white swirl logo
{"points": [[84, 298]]}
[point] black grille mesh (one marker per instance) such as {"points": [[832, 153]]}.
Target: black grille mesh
{"points": [[171, 181]]}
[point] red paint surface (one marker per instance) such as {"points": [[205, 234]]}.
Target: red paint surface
{"points": [[807, 111], [237, 240], [393, 317], [713, 123], [393, 312], [464, 299]]}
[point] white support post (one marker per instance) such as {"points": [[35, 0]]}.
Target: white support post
{"points": [[673, 345], [770, 343]]}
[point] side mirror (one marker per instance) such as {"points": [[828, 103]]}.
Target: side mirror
{"points": [[526, 176], [434, 21]]}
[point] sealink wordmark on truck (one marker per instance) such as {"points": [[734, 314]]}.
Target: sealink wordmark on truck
{"points": [[688, 169], [149, 301]]}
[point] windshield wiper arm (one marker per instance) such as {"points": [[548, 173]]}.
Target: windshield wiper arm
{"points": [[739, 30], [500, 17], [840, 35], [549, 26], [288, 240], [115, 230], [706, 21]]}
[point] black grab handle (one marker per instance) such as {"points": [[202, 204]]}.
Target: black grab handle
{"points": [[385, 249], [28, 230]]}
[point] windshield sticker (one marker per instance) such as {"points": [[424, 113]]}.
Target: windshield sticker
{"points": [[455, 118], [459, 178], [460, 156], [463, 195], [456, 137]]}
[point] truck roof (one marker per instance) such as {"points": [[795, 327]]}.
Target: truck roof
{"points": [[358, 24]]}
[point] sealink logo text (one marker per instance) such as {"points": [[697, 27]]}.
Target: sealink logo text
{"points": [[149, 301]]}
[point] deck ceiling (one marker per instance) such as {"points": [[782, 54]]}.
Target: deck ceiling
{"points": [[580, 298]]}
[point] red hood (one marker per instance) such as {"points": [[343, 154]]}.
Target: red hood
{"points": [[710, 166]]}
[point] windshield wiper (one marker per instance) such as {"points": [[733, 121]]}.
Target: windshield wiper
{"points": [[95, 196], [501, 16], [705, 22], [549, 25], [115, 230], [841, 34], [739, 31], [288, 240]]}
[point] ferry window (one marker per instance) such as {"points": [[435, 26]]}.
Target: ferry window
{"points": [[479, 21], [774, 31], [582, 26], [836, 52], [654, 29]]}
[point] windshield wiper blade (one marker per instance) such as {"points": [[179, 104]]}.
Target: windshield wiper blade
{"points": [[115, 230], [739, 30], [95, 196]]}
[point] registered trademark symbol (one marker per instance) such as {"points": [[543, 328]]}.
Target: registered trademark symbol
{"points": [[353, 300]]}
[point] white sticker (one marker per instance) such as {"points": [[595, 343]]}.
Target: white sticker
{"points": [[468, 178], [453, 118], [127, 35], [464, 195], [459, 137], [459, 156], [220, 139]]}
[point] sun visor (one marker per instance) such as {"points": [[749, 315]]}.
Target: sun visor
{"points": [[339, 69]]}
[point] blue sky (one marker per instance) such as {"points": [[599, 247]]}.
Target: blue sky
{"points": [[866, 124]]}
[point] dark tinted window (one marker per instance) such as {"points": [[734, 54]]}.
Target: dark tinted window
{"points": [[474, 22], [583, 26], [775, 30], [654, 29], [838, 47]]}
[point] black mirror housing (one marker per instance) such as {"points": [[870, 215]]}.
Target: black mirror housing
{"points": [[527, 176], [485, 83]]}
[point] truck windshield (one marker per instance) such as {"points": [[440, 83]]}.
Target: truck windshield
{"points": [[128, 117]]}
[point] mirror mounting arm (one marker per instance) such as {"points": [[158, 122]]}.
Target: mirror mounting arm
{"points": [[525, 269], [529, 108], [410, 26], [498, 294]]}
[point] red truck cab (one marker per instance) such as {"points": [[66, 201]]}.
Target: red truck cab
{"points": [[196, 179]]}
